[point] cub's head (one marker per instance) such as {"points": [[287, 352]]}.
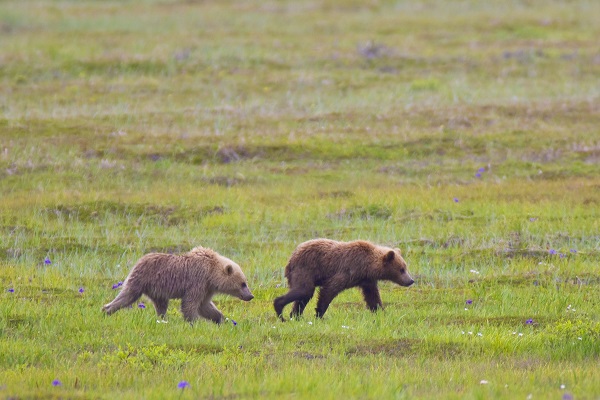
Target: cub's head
{"points": [[395, 268], [232, 280]]}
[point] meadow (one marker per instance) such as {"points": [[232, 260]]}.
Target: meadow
{"points": [[465, 133]]}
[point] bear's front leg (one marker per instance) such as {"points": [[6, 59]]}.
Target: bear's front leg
{"points": [[189, 307], [209, 311], [371, 295]]}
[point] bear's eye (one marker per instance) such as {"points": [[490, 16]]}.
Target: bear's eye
{"points": [[244, 285], [402, 270]]}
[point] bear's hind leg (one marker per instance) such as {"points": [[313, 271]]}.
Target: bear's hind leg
{"points": [[300, 305], [210, 311], [326, 296], [278, 304], [291, 296], [125, 298], [161, 306]]}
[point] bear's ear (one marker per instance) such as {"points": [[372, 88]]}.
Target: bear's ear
{"points": [[229, 270], [389, 256]]}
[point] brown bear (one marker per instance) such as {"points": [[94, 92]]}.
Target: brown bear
{"points": [[193, 277], [336, 266]]}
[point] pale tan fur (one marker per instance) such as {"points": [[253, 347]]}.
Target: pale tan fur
{"points": [[193, 277]]}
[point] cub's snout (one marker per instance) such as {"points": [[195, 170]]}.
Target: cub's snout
{"points": [[246, 294]]}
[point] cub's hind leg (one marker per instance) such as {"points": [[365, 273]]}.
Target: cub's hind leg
{"points": [[125, 298], [300, 304], [161, 305], [300, 294]]}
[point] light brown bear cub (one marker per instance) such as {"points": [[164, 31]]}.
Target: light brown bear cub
{"points": [[336, 266], [193, 277]]}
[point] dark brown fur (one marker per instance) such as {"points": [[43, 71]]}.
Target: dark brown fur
{"points": [[193, 277], [336, 266]]}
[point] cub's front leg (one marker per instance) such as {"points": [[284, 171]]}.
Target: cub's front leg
{"points": [[209, 311]]}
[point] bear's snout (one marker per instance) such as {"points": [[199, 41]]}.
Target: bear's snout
{"points": [[247, 297], [405, 280], [246, 294]]}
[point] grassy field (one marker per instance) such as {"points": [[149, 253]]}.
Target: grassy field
{"points": [[465, 132]]}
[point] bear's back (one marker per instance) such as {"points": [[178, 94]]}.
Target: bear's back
{"points": [[319, 259], [160, 266]]}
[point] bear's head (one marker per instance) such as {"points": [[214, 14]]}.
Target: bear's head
{"points": [[395, 268], [233, 281]]}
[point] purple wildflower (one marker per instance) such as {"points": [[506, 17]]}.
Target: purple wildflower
{"points": [[183, 384], [573, 251], [233, 322], [11, 290], [115, 286], [482, 169], [47, 261], [532, 219], [567, 396], [469, 301], [56, 382], [529, 321], [81, 290], [456, 199], [478, 175], [561, 255], [141, 305], [552, 252]]}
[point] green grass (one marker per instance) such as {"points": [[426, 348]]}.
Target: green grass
{"points": [[249, 127]]}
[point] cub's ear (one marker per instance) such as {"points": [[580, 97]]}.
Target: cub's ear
{"points": [[229, 270], [389, 256]]}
